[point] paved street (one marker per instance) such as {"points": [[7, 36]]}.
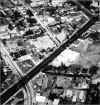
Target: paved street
{"points": [[35, 70], [24, 80]]}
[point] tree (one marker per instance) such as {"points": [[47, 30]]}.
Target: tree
{"points": [[28, 1]]}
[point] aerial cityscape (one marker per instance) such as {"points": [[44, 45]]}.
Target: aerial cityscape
{"points": [[50, 52]]}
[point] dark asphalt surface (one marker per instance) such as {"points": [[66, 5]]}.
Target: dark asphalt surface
{"points": [[24, 80]]}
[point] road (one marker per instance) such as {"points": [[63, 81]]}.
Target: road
{"points": [[8, 58], [33, 72], [51, 36], [24, 80]]}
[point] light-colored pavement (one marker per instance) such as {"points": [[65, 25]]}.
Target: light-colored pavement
{"points": [[9, 59]]}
